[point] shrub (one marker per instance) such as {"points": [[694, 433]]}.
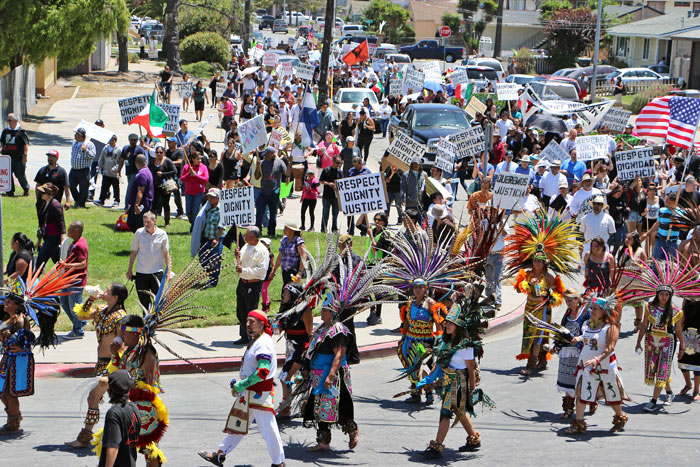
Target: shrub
{"points": [[134, 58], [205, 46], [643, 98], [194, 20], [525, 60], [201, 69]]}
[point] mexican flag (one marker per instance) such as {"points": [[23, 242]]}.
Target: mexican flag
{"points": [[464, 91], [152, 118], [378, 88]]}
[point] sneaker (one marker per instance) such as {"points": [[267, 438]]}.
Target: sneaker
{"points": [[116, 207], [669, 398], [73, 335], [98, 203], [183, 217], [651, 407], [374, 320]]}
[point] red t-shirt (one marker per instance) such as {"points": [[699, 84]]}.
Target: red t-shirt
{"points": [[78, 251]]}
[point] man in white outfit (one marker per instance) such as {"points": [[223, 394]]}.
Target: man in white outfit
{"points": [[596, 223], [253, 395], [580, 199]]}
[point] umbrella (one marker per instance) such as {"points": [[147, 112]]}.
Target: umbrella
{"points": [[250, 70], [547, 123], [433, 86], [413, 97]]}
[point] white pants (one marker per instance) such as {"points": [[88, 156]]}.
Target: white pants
{"points": [[268, 427]]}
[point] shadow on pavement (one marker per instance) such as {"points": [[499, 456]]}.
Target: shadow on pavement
{"points": [[449, 457], [299, 451], [50, 139], [63, 448], [396, 405]]}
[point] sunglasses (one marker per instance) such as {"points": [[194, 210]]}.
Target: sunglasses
{"points": [[160, 152]]}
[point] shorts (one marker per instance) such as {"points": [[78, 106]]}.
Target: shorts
{"points": [[634, 217], [648, 224]]}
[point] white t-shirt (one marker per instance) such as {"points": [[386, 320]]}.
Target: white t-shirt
{"points": [[460, 357], [597, 225], [151, 250], [503, 127], [580, 197], [263, 345]]}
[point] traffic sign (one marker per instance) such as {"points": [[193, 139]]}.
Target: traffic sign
{"points": [[5, 174], [445, 31]]}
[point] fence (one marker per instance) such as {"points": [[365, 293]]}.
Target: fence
{"points": [[538, 65], [634, 87], [17, 91]]}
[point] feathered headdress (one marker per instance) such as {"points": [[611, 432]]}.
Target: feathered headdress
{"points": [[544, 237], [476, 240], [675, 275]]}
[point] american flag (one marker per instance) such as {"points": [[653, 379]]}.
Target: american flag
{"points": [[671, 117]]}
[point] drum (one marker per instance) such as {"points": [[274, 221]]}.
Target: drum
{"points": [[298, 172]]}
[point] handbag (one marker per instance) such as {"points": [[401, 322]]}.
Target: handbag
{"points": [[169, 186]]}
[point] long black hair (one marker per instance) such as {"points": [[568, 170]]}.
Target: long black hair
{"points": [[120, 291], [668, 310], [25, 243], [636, 245], [456, 338]]}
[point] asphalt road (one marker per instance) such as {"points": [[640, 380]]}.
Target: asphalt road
{"points": [[524, 428]]}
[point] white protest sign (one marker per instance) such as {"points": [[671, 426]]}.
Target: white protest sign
{"points": [[585, 208], [469, 143], [405, 149], [413, 80], [292, 42], [237, 207], [395, 87], [199, 129], [275, 138], [637, 162], [252, 133], [220, 88], [589, 148], [273, 42], [152, 54], [131, 106], [303, 51], [616, 119], [371, 49], [95, 132], [256, 52], [445, 156], [459, 77], [173, 111], [509, 190], [362, 194], [285, 70], [305, 71], [5, 174], [378, 64], [507, 91], [553, 152], [593, 114], [431, 71], [185, 90], [347, 48], [475, 106], [270, 59]]}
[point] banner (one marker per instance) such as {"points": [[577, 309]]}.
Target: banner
{"points": [[405, 149], [302, 51], [469, 142], [378, 64], [253, 134], [362, 194], [395, 87], [616, 119], [237, 207], [459, 77], [507, 91], [474, 106], [413, 80], [270, 59], [589, 148], [5, 174], [172, 125], [275, 138], [591, 116], [509, 190], [305, 71], [131, 106], [95, 132], [445, 156], [553, 152], [637, 162]]}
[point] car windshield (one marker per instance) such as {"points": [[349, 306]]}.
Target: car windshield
{"points": [[482, 74], [522, 79], [401, 58], [356, 97], [496, 65], [442, 118]]}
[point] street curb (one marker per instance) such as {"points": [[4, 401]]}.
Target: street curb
{"points": [[214, 365]]}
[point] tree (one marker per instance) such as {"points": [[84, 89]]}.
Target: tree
{"points": [[570, 32], [67, 30], [474, 30], [222, 16], [453, 21], [171, 41], [394, 15]]}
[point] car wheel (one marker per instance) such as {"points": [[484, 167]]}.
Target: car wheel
{"points": [[449, 58]]}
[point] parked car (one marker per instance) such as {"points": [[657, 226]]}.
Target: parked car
{"points": [[348, 99], [398, 58], [632, 75], [580, 92], [352, 30], [522, 80], [303, 31], [489, 62], [261, 12], [431, 48], [235, 39], [663, 70], [555, 90], [266, 21], [480, 75], [427, 123], [564, 71], [384, 49], [280, 26], [583, 75]]}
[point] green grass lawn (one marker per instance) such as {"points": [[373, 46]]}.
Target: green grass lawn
{"points": [[109, 255]]}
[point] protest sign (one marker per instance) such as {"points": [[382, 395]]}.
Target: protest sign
{"points": [[95, 132], [431, 71], [172, 125], [637, 162], [378, 64], [270, 59], [275, 138], [445, 156], [152, 54], [474, 106], [589, 148], [362, 194], [404, 149], [616, 119], [553, 152], [237, 207], [371, 48], [413, 80], [591, 115], [305, 71], [198, 131], [252, 133], [395, 87], [347, 48], [507, 91], [459, 77], [5, 174], [220, 88], [185, 90], [509, 190], [292, 42], [469, 142], [585, 208], [434, 186], [285, 70], [303, 51], [483, 97], [131, 106]]}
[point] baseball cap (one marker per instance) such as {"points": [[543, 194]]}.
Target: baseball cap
{"points": [[120, 382], [213, 192], [99, 122], [345, 238], [172, 139], [52, 152], [265, 241], [350, 139], [81, 131]]}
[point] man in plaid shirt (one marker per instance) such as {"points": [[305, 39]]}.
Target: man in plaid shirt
{"points": [[81, 156], [206, 236]]}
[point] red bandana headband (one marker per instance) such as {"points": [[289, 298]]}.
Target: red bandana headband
{"points": [[257, 314]]}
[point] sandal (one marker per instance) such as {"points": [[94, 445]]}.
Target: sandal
{"points": [[320, 447], [685, 390], [526, 371], [696, 396]]}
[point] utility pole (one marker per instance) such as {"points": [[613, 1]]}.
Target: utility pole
{"points": [[326, 51], [594, 78], [499, 30], [245, 37]]}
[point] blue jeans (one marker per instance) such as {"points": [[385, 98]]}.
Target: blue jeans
{"points": [[494, 268], [208, 254], [68, 302], [266, 216], [384, 123], [397, 199], [329, 204], [661, 246], [192, 205], [269, 201]]}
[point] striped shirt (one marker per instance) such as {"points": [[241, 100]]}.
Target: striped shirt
{"points": [[665, 221], [79, 158]]}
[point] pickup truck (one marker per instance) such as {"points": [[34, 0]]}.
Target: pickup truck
{"points": [[431, 48]]}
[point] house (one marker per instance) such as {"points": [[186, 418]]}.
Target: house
{"points": [[674, 37]]}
